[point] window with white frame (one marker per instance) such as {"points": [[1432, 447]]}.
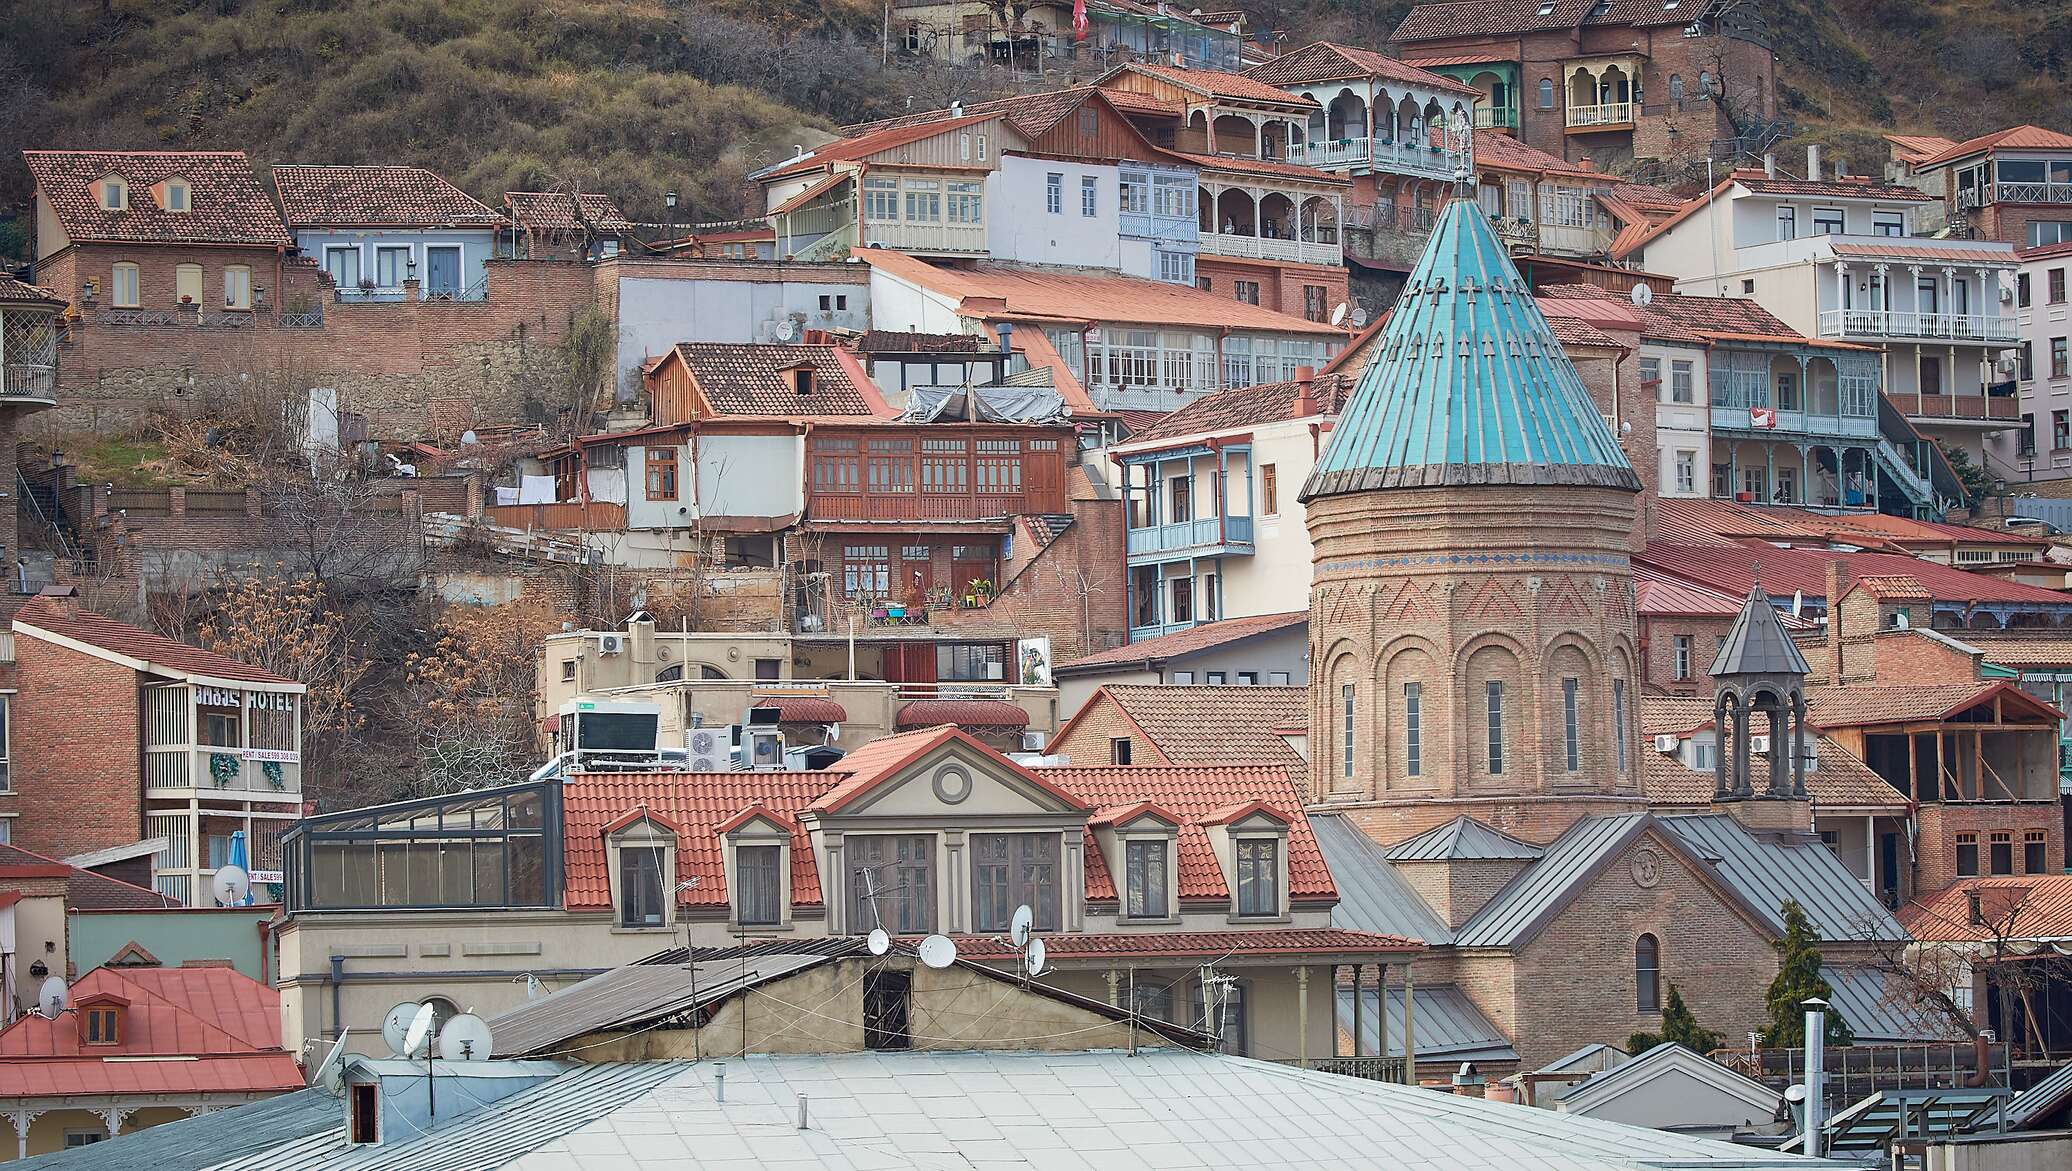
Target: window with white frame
{"points": [[1258, 876], [343, 263], [642, 879], [967, 202], [1681, 666], [123, 286], [237, 286], [881, 200], [114, 193], [391, 265], [758, 897], [1089, 195], [6, 745], [1828, 221], [1682, 382], [1687, 472], [178, 196], [923, 201], [1054, 193]]}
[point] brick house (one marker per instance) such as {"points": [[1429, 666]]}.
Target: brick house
{"points": [[2013, 185], [119, 734], [1613, 82]]}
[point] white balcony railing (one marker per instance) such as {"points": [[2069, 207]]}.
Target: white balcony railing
{"points": [[2032, 192], [1267, 248], [1379, 153], [1488, 117], [1608, 114], [180, 771], [926, 237], [1959, 327]]}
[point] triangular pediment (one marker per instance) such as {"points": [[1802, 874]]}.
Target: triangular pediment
{"points": [[954, 781]]}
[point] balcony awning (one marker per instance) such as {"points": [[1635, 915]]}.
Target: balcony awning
{"points": [[804, 709], [965, 713]]}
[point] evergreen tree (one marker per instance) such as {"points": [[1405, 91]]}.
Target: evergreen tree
{"points": [[1798, 980], [1679, 1026]]}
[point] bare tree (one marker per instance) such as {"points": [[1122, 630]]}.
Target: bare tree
{"points": [[1932, 977]]}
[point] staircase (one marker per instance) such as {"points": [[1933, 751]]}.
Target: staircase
{"points": [[1893, 463], [43, 506]]}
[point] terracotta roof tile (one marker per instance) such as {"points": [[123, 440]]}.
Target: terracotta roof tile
{"points": [[742, 378], [1211, 944], [1216, 83], [1028, 292], [1188, 724], [2042, 648], [228, 204], [157, 652], [1258, 167], [881, 759], [2013, 138], [1471, 18], [1206, 636], [548, 212], [964, 713], [893, 341], [1857, 705], [1574, 331], [1840, 780], [387, 197], [1917, 148], [1245, 406], [1193, 792], [14, 291], [2030, 907], [697, 802], [1505, 153], [1892, 587], [1032, 114], [84, 889], [1328, 61]]}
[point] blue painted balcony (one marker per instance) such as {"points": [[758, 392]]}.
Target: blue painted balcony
{"points": [[1189, 503], [1209, 536]]}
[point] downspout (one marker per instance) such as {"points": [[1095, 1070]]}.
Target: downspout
{"points": [[337, 981]]}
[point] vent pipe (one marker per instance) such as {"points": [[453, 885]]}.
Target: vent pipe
{"points": [[1770, 164], [1813, 160]]}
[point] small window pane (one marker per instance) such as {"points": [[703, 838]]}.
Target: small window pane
{"points": [[1146, 887], [755, 868]]}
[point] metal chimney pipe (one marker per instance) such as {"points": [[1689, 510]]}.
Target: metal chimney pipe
{"points": [[1770, 164], [719, 1082], [1816, 1058], [1812, 160], [802, 1111]]}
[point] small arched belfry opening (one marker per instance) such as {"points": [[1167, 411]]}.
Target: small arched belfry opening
{"points": [[1760, 691]]}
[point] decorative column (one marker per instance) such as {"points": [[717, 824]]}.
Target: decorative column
{"points": [[1302, 1016], [1114, 977], [960, 881], [1409, 1022]]}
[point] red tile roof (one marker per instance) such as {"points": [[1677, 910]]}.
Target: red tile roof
{"points": [[1245, 406], [698, 802], [1193, 792], [1705, 521], [2035, 906], [376, 197], [1917, 148], [1207, 636], [549, 212], [1852, 187], [863, 146], [1897, 587], [1032, 114], [1039, 293], [224, 1026], [14, 292], [155, 653], [1853, 705], [742, 378], [1329, 61], [1188, 724], [228, 206], [873, 764], [1259, 167], [1574, 331], [1729, 565], [1212, 944], [804, 709], [1218, 84], [2012, 138], [964, 713], [1504, 153], [1473, 18]]}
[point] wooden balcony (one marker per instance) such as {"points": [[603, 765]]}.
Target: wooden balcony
{"points": [[1207, 536], [1268, 248], [1492, 118], [1882, 323], [1957, 406], [928, 505], [570, 514], [1381, 154], [926, 237], [240, 774], [1608, 116]]}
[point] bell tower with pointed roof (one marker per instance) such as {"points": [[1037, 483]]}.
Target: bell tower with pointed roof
{"points": [[1760, 674], [1471, 622]]}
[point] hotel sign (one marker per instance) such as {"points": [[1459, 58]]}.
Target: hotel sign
{"points": [[258, 701]]}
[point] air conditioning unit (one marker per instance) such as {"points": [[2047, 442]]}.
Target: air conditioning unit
{"points": [[1759, 744], [763, 748], [710, 750], [1666, 744], [2008, 362], [1032, 741], [611, 644]]}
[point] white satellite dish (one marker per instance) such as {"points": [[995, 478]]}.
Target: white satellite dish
{"points": [[938, 951], [1338, 313], [469, 439], [396, 1026], [231, 886], [330, 1072], [1643, 296], [1359, 318], [417, 1039], [880, 942], [54, 997], [1034, 957], [465, 1038], [1024, 920]]}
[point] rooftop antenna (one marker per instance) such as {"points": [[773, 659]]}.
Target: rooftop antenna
{"points": [[1338, 313], [417, 1040], [232, 886], [395, 1027], [1022, 933], [1643, 295], [880, 943]]}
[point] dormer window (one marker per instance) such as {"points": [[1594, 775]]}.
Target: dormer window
{"points": [[1258, 877], [177, 196], [1146, 861], [758, 844], [756, 883], [801, 379], [642, 847], [114, 193], [100, 1019], [1251, 843]]}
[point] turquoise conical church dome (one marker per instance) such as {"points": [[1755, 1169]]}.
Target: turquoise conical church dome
{"points": [[1468, 386]]}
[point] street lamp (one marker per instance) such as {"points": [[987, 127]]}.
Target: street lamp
{"points": [[669, 201]]}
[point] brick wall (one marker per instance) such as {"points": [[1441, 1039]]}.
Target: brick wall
{"points": [[2009, 222], [1280, 285], [390, 361], [1534, 819], [77, 764], [1090, 740], [1658, 652], [1936, 863], [1455, 890], [1071, 591]]}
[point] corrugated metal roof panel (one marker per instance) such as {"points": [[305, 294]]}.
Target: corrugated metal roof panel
{"points": [[1874, 1014], [1767, 871], [1371, 896], [1528, 900], [1463, 839], [262, 1128], [1449, 1026], [2039, 1098], [634, 995]]}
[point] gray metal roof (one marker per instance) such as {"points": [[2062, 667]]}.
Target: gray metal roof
{"points": [[1876, 1016], [491, 1137], [1767, 870], [1756, 644], [634, 995], [1371, 895], [2040, 1099], [1449, 1026], [1528, 901], [1463, 839], [1158, 1108], [195, 1143]]}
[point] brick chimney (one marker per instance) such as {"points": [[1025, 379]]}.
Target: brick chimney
{"points": [[1834, 621], [1305, 393]]}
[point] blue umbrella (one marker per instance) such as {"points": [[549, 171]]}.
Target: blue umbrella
{"points": [[237, 859]]}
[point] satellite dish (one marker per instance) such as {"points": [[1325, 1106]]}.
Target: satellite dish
{"points": [[1035, 957], [417, 1038], [55, 995], [1338, 313], [938, 951], [880, 942], [469, 439], [1643, 296], [232, 886], [330, 1072], [396, 1026], [1359, 318], [465, 1038], [1024, 919]]}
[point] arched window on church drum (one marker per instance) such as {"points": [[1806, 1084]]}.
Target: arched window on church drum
{"points": [[1647, 974]]}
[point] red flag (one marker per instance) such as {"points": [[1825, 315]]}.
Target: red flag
{"points": [[1078, 20]]}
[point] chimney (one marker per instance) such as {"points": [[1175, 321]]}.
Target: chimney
{"points": [[1770, 164], [956, 107], [1841, 167], [1813, 160], [1006, 331], [1834, 621], [1305, 393]]}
